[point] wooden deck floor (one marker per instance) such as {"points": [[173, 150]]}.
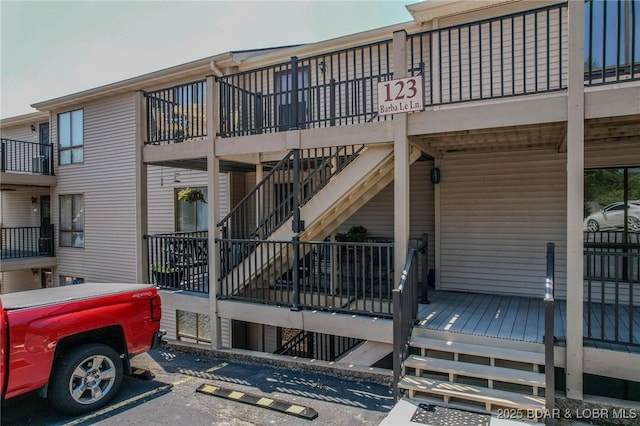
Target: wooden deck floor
{"points": [[509, 317]]}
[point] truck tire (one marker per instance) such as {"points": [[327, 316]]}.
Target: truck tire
{"points": [[85, 379]]}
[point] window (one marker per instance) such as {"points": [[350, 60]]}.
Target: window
{"points": [[67, 280], [193, 327], [612, 203], [72, 220], [191, 217], [71, 137]]}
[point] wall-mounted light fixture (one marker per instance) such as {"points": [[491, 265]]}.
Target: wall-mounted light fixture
{"points": [[34, 271], [33, 128], [176, 177], [435, 175], [322, 66], [34, 203]]}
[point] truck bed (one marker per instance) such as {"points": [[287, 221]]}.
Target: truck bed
{"points": [[49, 296]]}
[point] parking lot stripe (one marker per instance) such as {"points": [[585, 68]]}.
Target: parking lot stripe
{"points": [[259, 401]]}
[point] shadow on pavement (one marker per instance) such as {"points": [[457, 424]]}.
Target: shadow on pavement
{"points": [[270, 379]]}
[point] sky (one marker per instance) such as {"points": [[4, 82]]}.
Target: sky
{"points": [[54, 48]]}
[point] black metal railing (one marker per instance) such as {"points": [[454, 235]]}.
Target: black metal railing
{"points": [[26, 241], [333, 88], [323, 347], [271, 202], [348, 277], [26, 157], [612, 43], [517, 54], [179, 261], [612, 287], [177, 113], [405, 311]]}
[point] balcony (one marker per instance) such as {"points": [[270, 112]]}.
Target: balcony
{"points": [[27, 247], [26, 163], [520, 54]]}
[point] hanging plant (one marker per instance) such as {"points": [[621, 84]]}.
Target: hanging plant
{"points": [[191, 195]]}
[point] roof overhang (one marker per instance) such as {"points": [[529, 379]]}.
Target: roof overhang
{"points": [[195, 69], [30, 118], [427, 11]]}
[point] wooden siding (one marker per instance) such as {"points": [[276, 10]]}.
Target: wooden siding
{"points": [[106, 178], [498, 211], [161, 194]]}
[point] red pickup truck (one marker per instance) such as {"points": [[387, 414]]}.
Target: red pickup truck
{"points": [[74, 343]]}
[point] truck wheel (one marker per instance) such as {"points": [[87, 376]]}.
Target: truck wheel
{"points": [[85, 379]]}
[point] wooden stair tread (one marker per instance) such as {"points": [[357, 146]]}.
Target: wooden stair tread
{"points": [[472, 393], [467, 369], [478, 350]]}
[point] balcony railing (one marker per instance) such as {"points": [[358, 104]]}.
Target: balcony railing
{"points": [[612, 44], [177, 114], [511, 55], [347, 277], [26, 241], [517, 54], [612, 287], [179, 261], [26, 157]]}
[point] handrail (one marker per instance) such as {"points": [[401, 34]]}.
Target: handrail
{"points": [[405, 310], [258, 206], [26, 157]]}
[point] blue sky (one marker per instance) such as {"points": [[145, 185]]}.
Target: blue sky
{"points": [[52, 48]]}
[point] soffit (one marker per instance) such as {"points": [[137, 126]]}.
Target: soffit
{"points": [[539, 136]]}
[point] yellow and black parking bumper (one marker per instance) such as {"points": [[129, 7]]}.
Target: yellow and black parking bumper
{"points": [[259, 401]]}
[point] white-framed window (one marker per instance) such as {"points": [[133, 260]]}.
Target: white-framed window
{"points": [[191, 217], [72, 220], [71, 137]]}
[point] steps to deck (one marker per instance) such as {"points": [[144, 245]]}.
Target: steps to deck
{"points": [[466, 373]]}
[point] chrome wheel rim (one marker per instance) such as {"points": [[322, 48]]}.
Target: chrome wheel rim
{"points": [[92, 379]]}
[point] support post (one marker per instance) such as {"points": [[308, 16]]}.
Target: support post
{"points": [[549, 339], [575, 200], [294, 94], [213, 203], [401, 165], [297, 227], [142, 220]]}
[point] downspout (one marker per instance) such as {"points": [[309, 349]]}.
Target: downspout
{"points": [[215, 69]]}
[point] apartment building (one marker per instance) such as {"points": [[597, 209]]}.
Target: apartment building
{"points": [[312, 196]]}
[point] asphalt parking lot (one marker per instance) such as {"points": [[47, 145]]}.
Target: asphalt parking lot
{"points": [[170, 398]]}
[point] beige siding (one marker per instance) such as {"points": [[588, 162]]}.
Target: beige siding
{"points": [[162, 188], [23, 132], [611, 154], [106, 178], [499, 210], [16, 208], [20, 280], [377, 214]]}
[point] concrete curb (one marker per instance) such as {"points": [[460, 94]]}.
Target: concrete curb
{"points": [[371, 374]]}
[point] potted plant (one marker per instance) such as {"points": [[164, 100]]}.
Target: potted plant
{"points": [[191, 195], [166, 276], [354, 234]]}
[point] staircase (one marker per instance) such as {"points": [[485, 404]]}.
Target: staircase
{"points": [[474, 376], [365, 175]]}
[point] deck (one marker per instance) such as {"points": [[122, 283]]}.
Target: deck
{"points": [[516, 318]]}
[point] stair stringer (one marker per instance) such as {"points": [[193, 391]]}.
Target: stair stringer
{"points": [[369, 173]]}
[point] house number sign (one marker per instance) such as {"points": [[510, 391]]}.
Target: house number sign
{"points": [[401, 95]]}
